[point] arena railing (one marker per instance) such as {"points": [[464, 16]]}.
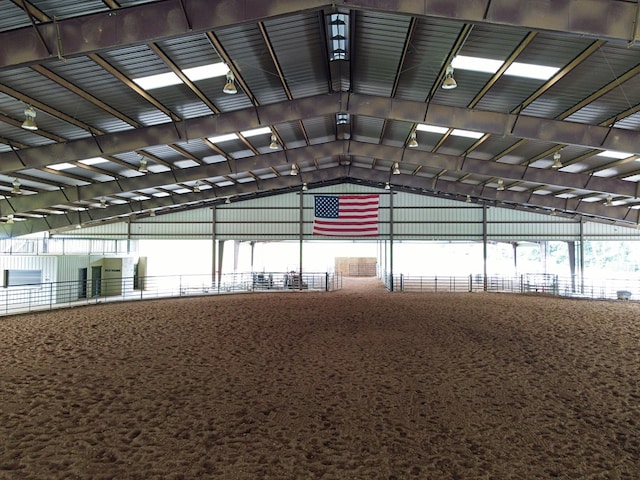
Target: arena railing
{"points": [[50, 295], [534, 283]]}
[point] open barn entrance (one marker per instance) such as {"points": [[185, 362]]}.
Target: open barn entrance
{"points": [[356, 266]]}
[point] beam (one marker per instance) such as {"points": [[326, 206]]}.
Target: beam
{"points": [[156, 21], [419, 185], [303, 155], [516, 126]]}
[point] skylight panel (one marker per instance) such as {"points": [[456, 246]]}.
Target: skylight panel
{"points": [[94, 161], [61, 166], [256, 131], [338, 36], [466, 133], [206, 71], [476, 64], [530, 70], [158, 81], [614, 154], [431, 128], [194, 74], [223, 138], [516, 69]]}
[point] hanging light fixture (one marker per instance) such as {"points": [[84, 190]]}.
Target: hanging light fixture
{"points": [[387, 186], [274, 142], [396, 168], [16, 187], [468, 198], [103, 202], [294, 169], [500, 186], [152, 213], [556, 160], [228, 200], [230, 86], [29, 119], [304, 187], [449, 83], [10, 219], [143, 165], [609, 201], [196, 187], [413, 141]]}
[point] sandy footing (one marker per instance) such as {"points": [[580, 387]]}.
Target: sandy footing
{"points": [[359, 384]]}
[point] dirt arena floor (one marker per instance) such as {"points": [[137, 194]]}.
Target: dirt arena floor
{"points": [[355, 384]]}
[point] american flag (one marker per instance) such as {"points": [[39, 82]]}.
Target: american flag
{"points": [[346, 215]]}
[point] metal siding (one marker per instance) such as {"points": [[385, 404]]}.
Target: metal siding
{"points": [[601, 231], [416, 217], [46, 264]]}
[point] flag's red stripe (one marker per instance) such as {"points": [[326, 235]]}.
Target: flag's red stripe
{"points": [[340, 221]]}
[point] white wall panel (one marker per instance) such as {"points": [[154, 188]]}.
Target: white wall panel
{"points": [[46, 264], [601, 231]]}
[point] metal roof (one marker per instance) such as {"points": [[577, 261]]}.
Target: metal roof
{"points": [[344, 120]]}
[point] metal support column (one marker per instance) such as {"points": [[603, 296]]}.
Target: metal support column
{"points": [[391, 286], [484, 246], [301, 237]]}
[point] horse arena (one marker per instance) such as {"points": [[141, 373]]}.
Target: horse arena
{"points": [[359, 383]]}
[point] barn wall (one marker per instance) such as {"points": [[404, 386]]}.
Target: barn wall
{"points": [[415, 217]]}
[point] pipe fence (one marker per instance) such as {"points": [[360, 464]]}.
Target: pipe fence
{"points": [[546, 284], [50, 295]]}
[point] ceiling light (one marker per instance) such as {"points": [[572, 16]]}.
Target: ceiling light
{"points": [[274, 142], [294, 169], [609, 201], [553, 212], [500, 186], [396, 168], [10, 219], [16, 187], [304, 187], [196, 187], [413, 141], [556, 160], [468, 198], [143, 165], [387, 186], [449, 82], [29, 119], [228, 200], [152, 213], [230, 86], [103, 202]]}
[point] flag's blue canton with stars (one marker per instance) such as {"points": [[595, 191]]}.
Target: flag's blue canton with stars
{"points": [[327, 207]]}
